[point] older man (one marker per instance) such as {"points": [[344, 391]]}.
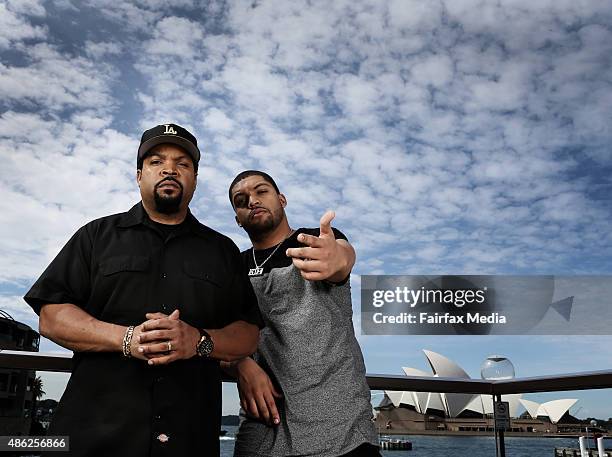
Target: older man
{"points": [[305, 393], [149, 301]]}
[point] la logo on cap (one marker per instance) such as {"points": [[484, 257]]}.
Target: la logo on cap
{"points": [[169, 129]]}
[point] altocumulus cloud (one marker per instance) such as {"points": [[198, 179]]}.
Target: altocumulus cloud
{"points": [[452, 136]]}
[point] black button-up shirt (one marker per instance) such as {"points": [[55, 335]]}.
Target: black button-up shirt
{"points": [[118, 268]]}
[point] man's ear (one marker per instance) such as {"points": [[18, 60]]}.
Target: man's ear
{"points": [[138, 176], [237, 221], [282, 199]]}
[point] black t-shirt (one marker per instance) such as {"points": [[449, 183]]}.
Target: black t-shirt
{"points": [[279, 259], [118, 268], [168, 229]]}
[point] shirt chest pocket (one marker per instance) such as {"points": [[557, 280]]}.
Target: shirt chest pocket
{"points": [[198, 272], [205, 283], [124, 264], [123, 286]]}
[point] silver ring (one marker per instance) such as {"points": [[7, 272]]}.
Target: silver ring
{"points": [[169, 346]]}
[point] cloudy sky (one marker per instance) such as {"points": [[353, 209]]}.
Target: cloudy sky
{"points": [[455, 137]]}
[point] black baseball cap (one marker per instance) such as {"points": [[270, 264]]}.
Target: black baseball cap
{"points": [[169, 133]]}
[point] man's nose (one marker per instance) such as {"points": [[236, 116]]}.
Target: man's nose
{"points": [[170, 170], [253, 201]]}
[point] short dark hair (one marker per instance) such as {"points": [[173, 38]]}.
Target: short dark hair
{"points": [[245, 174], [140, 161]]}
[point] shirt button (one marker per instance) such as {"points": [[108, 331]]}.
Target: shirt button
{"points": [[164, 275]]}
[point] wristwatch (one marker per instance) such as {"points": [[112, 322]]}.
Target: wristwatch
{"points": [[205, 346]]}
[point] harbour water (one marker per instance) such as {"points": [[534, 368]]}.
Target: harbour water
{"points": [[456, 446]]}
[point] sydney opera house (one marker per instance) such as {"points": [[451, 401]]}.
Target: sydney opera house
{"points": [[440, 413]]}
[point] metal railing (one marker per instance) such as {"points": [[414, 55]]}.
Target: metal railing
{"points": [[556, 383], [35, 360]]}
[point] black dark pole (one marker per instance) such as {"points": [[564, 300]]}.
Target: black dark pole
{"points": [[499, 434]]}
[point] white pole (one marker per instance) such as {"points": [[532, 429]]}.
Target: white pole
{"points": [[600, 447], [583, 451], [588, 443]]}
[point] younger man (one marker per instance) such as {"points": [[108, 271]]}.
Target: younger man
{"points": [[305, 392]]}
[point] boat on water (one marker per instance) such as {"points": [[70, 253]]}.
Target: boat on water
{"points": [[391, 444], [575, 452]]}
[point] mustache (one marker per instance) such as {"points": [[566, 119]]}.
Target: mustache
{"points": [[255, 209], [168, 178]]}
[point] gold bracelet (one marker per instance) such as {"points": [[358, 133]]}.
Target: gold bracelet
{"points": [[127, 341]]}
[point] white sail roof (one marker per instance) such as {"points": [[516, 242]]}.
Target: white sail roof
{"points": [[454, 404], [444, 367], [514, 401], [556, 409], [476, 405], [394, 396], [434, 400], [407, 399], [532, 407], [483, 404], [420, 398]]}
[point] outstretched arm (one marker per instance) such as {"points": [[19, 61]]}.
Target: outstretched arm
{"points": [[325, 257]]}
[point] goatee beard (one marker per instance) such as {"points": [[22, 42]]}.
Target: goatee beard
{"points": [[168, 205], [258, 231]]}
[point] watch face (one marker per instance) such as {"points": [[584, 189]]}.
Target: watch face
{"points": [[205, 347]]}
